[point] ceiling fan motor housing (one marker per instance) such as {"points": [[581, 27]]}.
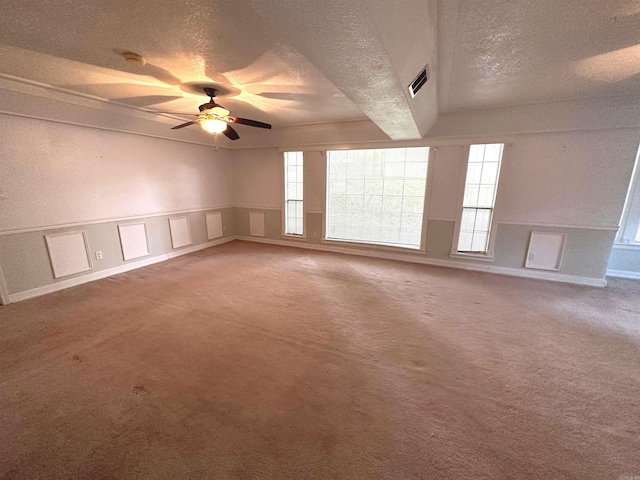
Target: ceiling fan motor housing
{"points": [[207, 106], [211, 92]]}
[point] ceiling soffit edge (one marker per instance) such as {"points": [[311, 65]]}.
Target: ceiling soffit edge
{"points": [[352, 57]]}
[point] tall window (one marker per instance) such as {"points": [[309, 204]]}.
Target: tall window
{"points": [[480, 189], [630, 223], [376, 196], [293, 193]]}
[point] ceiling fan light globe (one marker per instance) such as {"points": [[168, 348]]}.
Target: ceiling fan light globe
{"points": [[213, 125]]}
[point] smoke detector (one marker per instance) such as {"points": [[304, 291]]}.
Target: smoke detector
{"points": [[134, 58]]}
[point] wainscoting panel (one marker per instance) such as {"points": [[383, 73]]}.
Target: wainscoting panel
{"points": [[134, 241], [180, 232], [256, 224], [68, 253], [214, 225], [545, 250]]}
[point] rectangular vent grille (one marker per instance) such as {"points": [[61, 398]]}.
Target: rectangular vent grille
{"points": [[419, 81]]}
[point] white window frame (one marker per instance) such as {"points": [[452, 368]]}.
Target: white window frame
{"points": [[382, 246], [284, 234], [630, 221], [489, 255]]}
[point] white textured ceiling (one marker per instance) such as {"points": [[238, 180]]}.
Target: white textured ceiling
{"points": [[301, 62], [309, 70], [514, 52]]}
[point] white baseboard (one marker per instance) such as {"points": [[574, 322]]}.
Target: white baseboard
{"points": [[623, 274], [93, 276], [289, 243], [549, 276], [416, 258]]}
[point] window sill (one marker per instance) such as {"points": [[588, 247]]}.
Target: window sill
{"points": [[483, 257], [373, 246], [291, 236]]}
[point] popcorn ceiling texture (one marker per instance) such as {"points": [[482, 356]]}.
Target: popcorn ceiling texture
{"points": [[199, 41], [520, 52], [303, 64], [252, 361], [353, 57]]}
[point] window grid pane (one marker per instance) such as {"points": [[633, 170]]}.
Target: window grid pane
{"points": [[377, 196], [294, 193], [479, 198]]}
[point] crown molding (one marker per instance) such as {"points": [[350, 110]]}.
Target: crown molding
{"points": [[29, 99]]}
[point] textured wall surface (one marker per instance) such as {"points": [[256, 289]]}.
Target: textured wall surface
{"points": [[625, 259], [54, 174], [25, 260], [258, 178], [572, 182], [577, 179], [58, 177]]}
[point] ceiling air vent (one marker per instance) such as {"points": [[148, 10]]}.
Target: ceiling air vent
{"points": [[419, 81]]}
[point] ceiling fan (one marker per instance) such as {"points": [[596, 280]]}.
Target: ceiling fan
{"points": [[216, 119]]}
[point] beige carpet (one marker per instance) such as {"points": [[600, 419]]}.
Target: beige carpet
{"points": [[249, 361]]}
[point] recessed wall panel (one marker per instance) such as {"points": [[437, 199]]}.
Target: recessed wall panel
{"points": [[133, 240], [256, 224], [68, 253], [214, 225], [180, 232], [545, 250]]}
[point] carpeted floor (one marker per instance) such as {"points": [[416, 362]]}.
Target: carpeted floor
{"points": [[260, 362]]}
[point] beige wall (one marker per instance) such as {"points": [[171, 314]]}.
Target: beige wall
{"points": [[573, 182], [625, 261], [258, 178], [57, 177], [446, 172], [577, 179], [55, 174], [25, 259]]}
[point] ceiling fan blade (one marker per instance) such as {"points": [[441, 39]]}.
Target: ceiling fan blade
{"points": [[230, 133], [251, 123], [182, 125]]}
